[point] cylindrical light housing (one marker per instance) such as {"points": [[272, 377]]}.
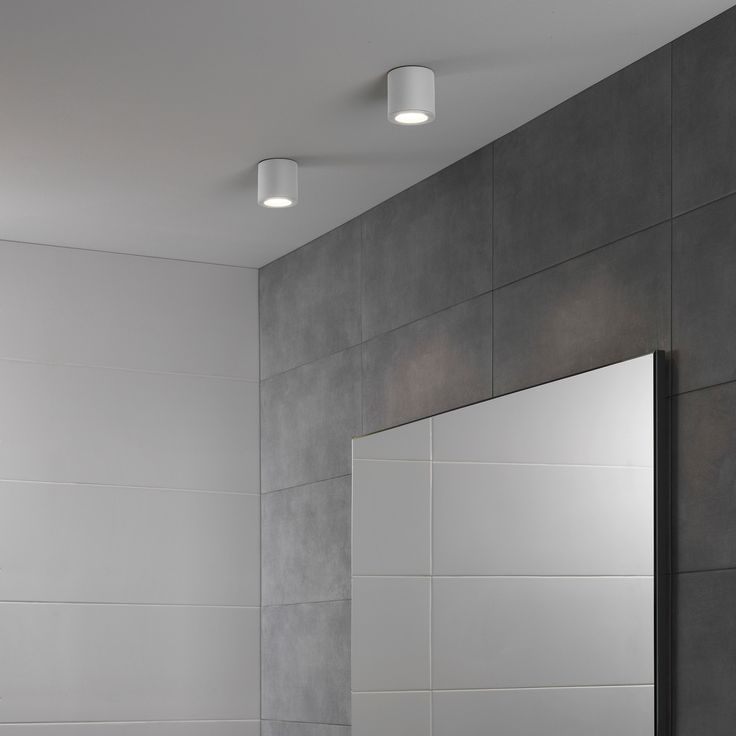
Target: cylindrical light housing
{"points": [[278, 184], [411, 95]]}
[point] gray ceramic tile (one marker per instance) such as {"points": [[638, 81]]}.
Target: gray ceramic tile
{"points": [[428, 247], [282, 728], [310, 301], [306, 662], [703, 113], [306, 543], [705, 654], [703, 296], [590, 171], [437, 363], [704, 477], [309, 416], [600, 308]]}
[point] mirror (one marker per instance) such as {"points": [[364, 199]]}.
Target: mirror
{"points": [[504, 564]]}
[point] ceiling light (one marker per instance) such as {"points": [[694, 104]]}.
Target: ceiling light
{"points": [[411, 95], [277, 183]]}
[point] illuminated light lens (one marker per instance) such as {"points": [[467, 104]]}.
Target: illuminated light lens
{"points": [[277, 202], [411, 117]]}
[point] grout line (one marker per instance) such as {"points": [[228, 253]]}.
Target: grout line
{"points": [[701, 388], [704, 571], [130, 605], [129, 255], [260, 513], [493, 266], [504, 577], [431, 568], [132, 722], [507, 689], [121, 486], [305, 603], [303, 485], [306, 723], [504, 464], [147, 371]]}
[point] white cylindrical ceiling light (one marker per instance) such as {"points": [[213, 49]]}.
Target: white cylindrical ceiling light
{"points": [[411, 95], [278, 182]]}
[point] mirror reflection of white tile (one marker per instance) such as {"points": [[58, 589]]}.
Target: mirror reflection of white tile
{"points": [[503, 565]]}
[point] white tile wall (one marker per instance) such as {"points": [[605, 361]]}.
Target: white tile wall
{"points": [[121, 663], [603, 417], [397, 714], [127, 545], [408, 442], [391, 517], [608, 711], [524, 632], [91, 425], [539, 591], [150, 728], [390, 634], [62, 305], [121, 377], [542, 520]]}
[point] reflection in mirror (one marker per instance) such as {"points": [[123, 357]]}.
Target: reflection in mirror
{"points": [[504, 565]]}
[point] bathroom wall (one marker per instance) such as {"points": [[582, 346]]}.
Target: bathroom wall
{"points": [[129, 496], [602, 230]]}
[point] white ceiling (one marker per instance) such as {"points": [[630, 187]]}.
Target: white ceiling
{"points": [[136, 125]]}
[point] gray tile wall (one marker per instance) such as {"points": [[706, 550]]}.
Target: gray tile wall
{"points": [[603, 229]]}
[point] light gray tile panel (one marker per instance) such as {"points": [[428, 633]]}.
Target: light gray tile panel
{"points": [[118, 663], [128, 545], [306, 543], [283, 728], [116, 427], [541, 520], [124, 311], [391, 517], [408, 442], [391, 634], [602, 417], [309, 416], [398, 714], [310, 301], [160, 728], [306, 663], [605, 711], [541, 632]]}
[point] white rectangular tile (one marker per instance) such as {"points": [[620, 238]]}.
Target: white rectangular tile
{"points": [[118, 663], [397, 714], [540, 632], [542, 520], [151, 728], [408, 442], [604, 417], [390, 634], [127, 428], [605, 711], [391, 517], [128, 312], [128, 545]]}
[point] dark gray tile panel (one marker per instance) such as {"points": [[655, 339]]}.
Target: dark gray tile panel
{"points": [[310, 301], [704, 113], [704, 478], [308, 417], [437, 363], [596, 309], [592, 170], [305, 543], [305, 662], [428, 247]]}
